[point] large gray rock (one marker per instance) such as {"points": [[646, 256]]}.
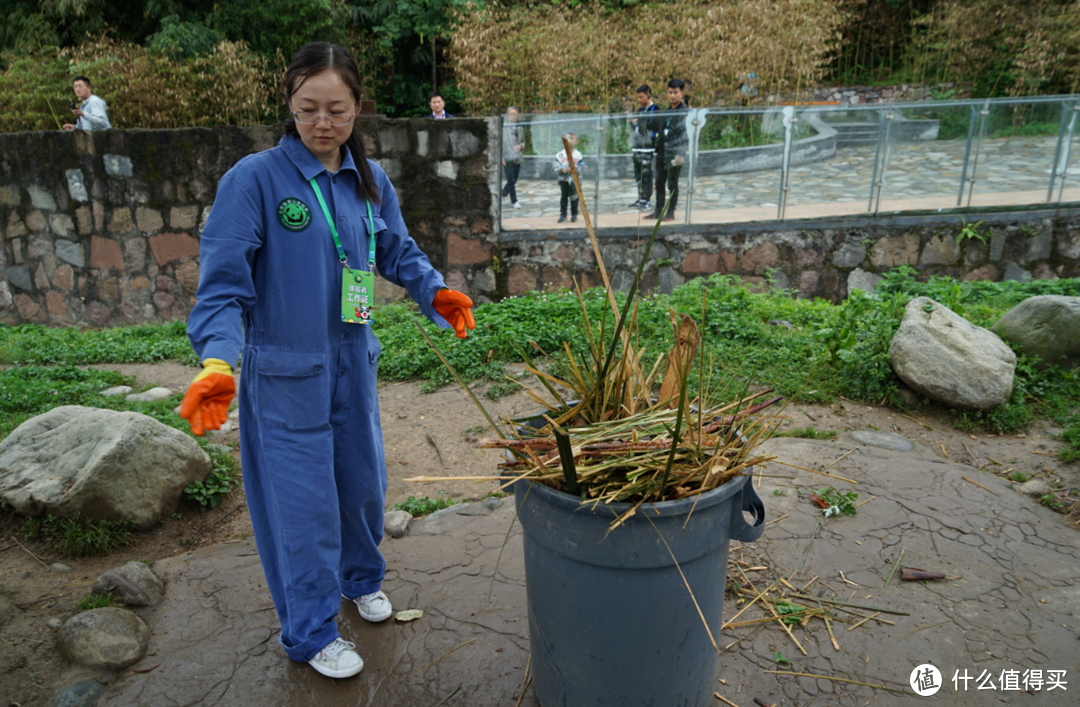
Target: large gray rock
{"points": [[105, 639], [133, 584], [947, 358], [101, 464], [1047, 326]]}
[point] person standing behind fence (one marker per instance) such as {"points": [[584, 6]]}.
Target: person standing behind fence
{"points": [[566, 180], [438, 106], [92, 113], [672, 144], [513, 154], [643, 144]]}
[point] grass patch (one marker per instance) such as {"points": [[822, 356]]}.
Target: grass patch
{"points": [[831, 350], [425, 505], [95, 601], [77, 537], [807, 433], [35, 344]]}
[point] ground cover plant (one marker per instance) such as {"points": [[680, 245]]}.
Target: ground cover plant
{"points": [[424, 505], [831, 350]]}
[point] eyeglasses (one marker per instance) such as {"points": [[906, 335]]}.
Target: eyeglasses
{"points": [[336, 120]]}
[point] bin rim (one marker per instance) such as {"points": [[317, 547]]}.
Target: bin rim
{"points": [[677, 507]]}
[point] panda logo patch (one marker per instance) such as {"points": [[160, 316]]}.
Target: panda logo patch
{"points": [[294, 214]]}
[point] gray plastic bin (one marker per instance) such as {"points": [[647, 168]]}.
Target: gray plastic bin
{"points": [[610, 619]]}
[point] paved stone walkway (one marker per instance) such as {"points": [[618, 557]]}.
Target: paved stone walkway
{"points": [[918, 176], [1011, 600]]}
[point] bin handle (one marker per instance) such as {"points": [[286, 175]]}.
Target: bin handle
{"points": [[741, 530]]}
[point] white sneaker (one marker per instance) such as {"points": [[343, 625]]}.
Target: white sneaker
{"points": [[517, 204], [505, 200], [338, 660], [374, 607]]}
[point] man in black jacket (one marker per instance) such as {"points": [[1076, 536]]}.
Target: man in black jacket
{"points": [[643, 142], [672, 145]]}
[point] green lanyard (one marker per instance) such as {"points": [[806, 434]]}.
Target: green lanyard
{"points": [[333, 229]]}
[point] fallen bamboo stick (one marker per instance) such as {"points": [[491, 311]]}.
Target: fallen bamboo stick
{"points": [[922, 627], [725, 700], [895, 565], [30, 553], [471, 640], [813, 471], [855, 626], [829, 677], [774, 612], [839, 458], [832, 638], [979, 485], [857, 606]]}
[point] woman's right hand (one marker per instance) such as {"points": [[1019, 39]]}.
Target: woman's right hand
{"points": [[206, 403]]}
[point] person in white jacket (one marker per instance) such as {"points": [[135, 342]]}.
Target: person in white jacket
{"points": [[566, 180], [92, 112]]}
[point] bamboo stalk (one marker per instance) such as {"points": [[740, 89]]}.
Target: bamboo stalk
{"points": [[829, 677]]}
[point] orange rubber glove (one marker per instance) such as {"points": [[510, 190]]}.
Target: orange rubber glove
{"points": [[206, 403], [456, 309]]}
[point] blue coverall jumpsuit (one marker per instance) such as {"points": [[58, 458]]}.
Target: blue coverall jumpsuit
{"points": [[310, 439]]}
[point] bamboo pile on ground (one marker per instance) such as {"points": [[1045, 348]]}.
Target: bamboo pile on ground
{"points": [[611, 436], [788, 605]]}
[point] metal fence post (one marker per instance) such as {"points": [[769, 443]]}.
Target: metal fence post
{"points": [[879, 184], [983, 115], [599, 168], [700, 116], [785, 165], [877, 162], [1067, 149], [967, 156]]}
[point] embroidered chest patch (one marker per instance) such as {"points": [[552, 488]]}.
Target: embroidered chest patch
{"points": [[294, 214]]}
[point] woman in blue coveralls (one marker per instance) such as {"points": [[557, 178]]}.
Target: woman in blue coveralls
{"points": [[293, 238]]}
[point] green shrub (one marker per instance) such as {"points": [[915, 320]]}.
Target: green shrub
{"points": [[425, 505], [209, 493], [95, 601]]}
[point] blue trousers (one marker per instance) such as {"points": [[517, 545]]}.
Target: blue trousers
{"points": [[315, 478]]}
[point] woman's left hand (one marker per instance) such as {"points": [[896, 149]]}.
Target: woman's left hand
{"points": [[456, 309]]}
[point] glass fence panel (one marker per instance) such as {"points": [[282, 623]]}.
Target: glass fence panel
{"points": [[922, 160], [728, 165], [1067, 186], [538, 187], [736, 167], [832, 161], [620, 188], [1016, 153]]}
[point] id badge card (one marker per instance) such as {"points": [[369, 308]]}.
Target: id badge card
{"points": [[357, 296]]}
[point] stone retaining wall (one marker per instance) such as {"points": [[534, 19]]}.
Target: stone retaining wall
{"points": [[826, 263], [103, 228], [890, 94]]}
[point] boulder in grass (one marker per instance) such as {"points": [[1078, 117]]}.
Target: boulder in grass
{"points": [[946, 358], [100, 464], [1047, 326]]}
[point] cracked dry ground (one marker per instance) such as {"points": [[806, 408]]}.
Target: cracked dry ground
{"points": [[1011, 601]]}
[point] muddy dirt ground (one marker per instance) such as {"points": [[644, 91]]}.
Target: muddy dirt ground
{"points": [[432, 435]]}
